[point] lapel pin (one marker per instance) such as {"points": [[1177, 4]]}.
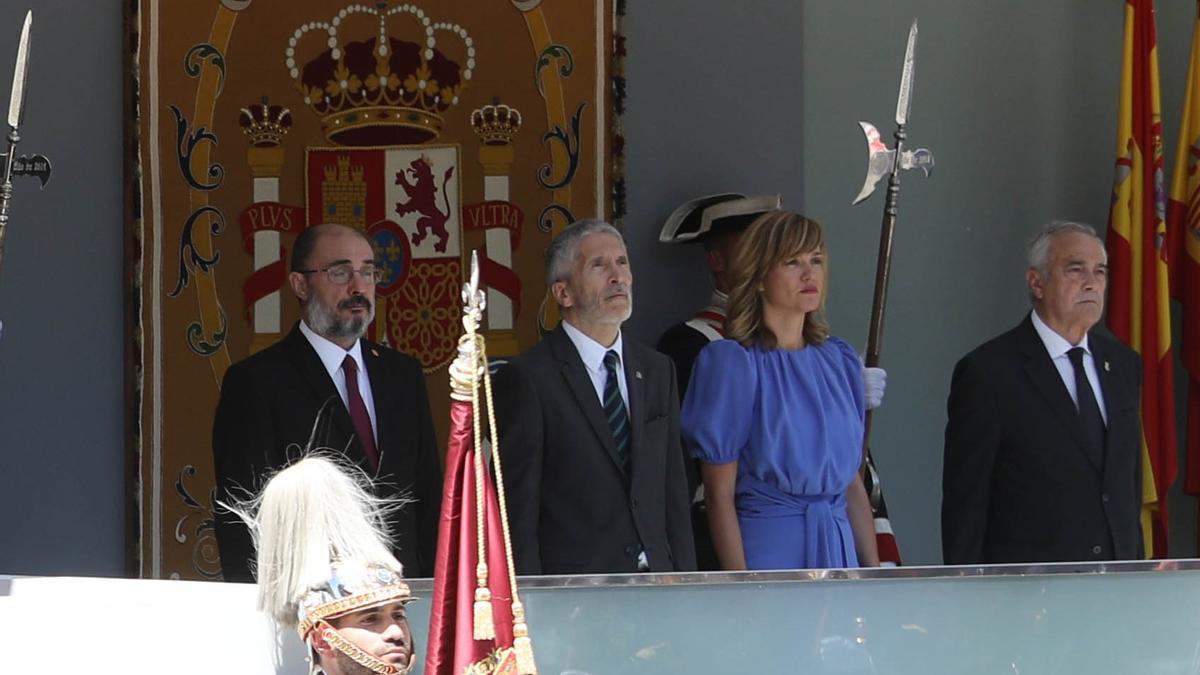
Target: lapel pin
{"points": [[375, 352], [1107, 368], [637, 374]]}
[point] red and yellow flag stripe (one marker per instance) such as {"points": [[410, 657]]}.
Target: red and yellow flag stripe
{"points": [[1139, 303], [1183, 228]]}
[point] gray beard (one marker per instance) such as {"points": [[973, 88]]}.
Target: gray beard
{"points": [[595, 314], [330, 326]]}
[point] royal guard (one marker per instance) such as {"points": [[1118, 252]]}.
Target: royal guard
{"points": [[325, 568]]}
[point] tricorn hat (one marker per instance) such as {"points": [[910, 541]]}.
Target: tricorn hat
{"points": [[724, 212]]}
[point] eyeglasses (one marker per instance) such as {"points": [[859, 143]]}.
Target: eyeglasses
{"points": [[340, 274]]}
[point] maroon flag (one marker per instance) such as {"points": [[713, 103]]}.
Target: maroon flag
{"points": [[477, 622], [452, 646]]}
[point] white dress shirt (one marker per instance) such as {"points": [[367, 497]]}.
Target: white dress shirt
{"points": [[592, 353], [332, 356], [1058, 347]]}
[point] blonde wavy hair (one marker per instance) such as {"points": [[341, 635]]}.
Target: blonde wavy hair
{"points": [[773, 238]]}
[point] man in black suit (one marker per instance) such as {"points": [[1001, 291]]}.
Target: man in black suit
{"points": [[589, 428], [323, 386], [1043, 443]]}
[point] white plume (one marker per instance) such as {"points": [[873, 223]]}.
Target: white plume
{"points": [[309, 515]]}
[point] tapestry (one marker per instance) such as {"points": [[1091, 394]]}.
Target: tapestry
{"points": [[438, 128]]}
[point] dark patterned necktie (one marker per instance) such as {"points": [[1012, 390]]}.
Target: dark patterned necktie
{"points": [[358, 412], [614, 407], [1089, 409]]}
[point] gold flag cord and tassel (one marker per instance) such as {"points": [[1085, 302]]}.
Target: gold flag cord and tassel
{"points": [[522, 644], [483, 620], [484, 625]]}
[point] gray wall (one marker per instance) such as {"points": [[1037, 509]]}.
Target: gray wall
{"points": [[1017, 99], [61, 385]]}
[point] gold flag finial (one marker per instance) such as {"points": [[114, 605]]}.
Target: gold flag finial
{"points": [[466, 370]]}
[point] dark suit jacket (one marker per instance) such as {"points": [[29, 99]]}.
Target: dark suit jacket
{"points": [[267, 411], [1017, 483], [572, 507]]}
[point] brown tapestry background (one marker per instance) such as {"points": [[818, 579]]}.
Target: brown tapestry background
{"points": [[438, 128]]}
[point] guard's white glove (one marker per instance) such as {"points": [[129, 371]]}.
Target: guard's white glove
{"points": [[874, 382]]}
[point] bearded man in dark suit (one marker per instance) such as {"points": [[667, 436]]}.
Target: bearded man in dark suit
{"points": [[324, 386], [589, 428], [1043, 443]]}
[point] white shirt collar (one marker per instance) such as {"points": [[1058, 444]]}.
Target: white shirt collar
{"points": [[332, 355], [1056, 344], [590, 351]]}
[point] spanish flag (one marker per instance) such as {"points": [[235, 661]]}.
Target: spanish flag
{"points": [[1183, 227], [1139, 310]]}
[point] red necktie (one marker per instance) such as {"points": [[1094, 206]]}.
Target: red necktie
{"points": [[358, 412]]}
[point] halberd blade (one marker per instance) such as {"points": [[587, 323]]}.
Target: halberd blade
{"points": [[879, 161], [904, 101], [16, 101]]}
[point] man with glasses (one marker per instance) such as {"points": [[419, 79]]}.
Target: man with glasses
{"points": [[325, 387]]}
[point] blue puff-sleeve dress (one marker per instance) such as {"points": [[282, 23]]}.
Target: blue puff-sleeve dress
{"points": [[793, 421]]}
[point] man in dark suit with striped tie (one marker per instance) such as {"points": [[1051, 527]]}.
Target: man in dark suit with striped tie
{"points": [[589, 428]]}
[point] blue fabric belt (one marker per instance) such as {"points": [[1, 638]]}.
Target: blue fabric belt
{"points": [[825, 516]]}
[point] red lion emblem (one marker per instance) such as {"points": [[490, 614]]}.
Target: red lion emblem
{"points": [[422, 199]]}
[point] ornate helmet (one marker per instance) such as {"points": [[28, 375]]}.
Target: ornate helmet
{"points": [[321, 538]]}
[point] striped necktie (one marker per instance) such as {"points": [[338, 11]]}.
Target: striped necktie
{"points": [[614, 407]]}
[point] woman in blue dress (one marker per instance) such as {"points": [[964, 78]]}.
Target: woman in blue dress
{"points": [[775, 413]]}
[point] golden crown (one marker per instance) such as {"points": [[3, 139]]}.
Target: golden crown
{"points": [[496, 124], [265, 124], [381, 90]]}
